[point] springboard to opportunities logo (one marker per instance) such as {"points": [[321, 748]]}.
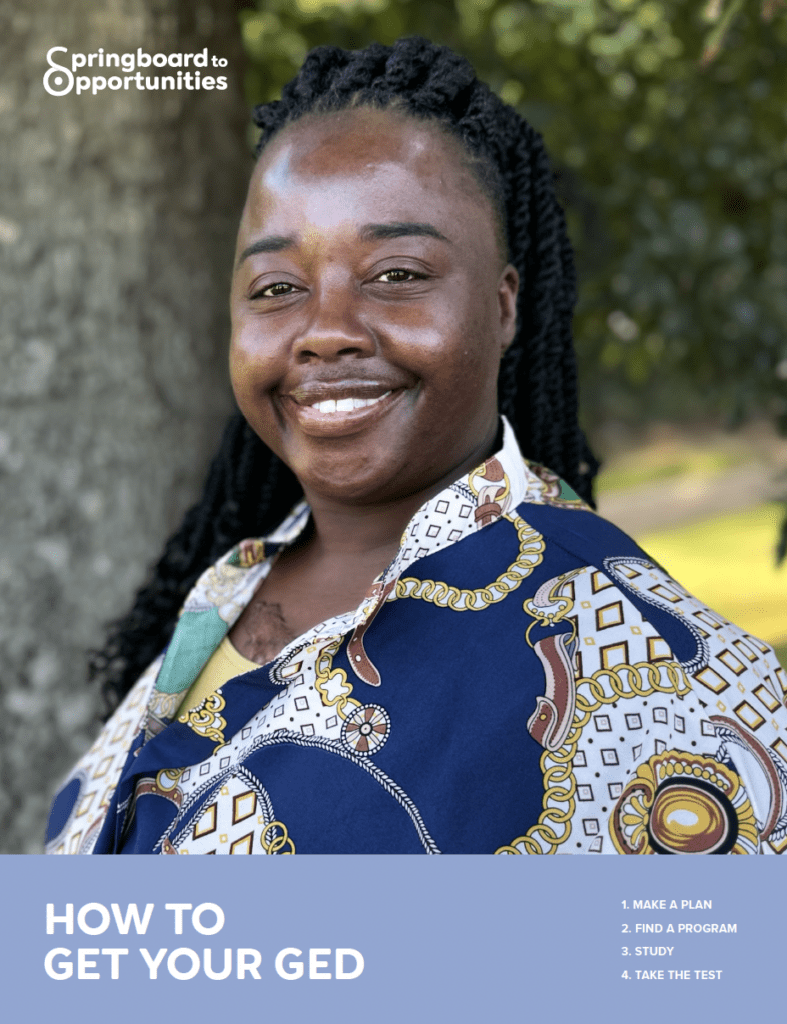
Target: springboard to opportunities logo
{"points": [[183, 71]]}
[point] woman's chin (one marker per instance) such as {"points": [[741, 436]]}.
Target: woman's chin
{"points": [[356, 489]]}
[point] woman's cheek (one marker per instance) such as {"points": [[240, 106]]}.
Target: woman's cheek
{"points": [[250, 363]]}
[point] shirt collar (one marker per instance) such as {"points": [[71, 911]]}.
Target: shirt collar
{"points": [[469, 504]]}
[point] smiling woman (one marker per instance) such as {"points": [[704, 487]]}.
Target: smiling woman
{"points": [[398, 634]]}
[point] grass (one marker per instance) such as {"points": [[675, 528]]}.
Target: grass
{"points": [[664, 463], [728, 562]]}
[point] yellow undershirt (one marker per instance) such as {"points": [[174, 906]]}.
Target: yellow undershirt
{"points": [[224, 664]]}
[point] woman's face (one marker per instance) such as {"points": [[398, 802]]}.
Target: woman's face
{"points": [[370, 307]]}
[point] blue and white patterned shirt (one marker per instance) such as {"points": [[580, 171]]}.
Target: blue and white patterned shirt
{"points": [[522, 679]]}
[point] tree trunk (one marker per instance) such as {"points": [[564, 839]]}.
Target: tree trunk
{"points": [[117, 221]]}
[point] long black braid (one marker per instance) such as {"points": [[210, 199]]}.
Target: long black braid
{"points": [[248, 490]]}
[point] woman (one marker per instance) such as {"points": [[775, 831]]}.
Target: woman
{"points": [[442, 648]]}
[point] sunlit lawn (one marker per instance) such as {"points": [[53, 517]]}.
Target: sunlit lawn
{"points": [[666, 461], [728, 562]]}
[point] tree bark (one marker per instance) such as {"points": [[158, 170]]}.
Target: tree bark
{"points": [[118, 215]]}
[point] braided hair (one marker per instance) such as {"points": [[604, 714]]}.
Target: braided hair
{"points": [[248, 490]]}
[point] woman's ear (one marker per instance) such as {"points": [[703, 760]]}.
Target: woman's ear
{"points": [[507, 290]]}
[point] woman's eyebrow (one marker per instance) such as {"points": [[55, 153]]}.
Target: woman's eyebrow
{"points": [[399, 229], [368, 233], [271, 243]]}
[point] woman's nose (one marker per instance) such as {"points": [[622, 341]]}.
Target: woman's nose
{"points": [[336, 328]]}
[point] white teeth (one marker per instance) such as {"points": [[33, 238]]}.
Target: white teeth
{"points": [[346, 404]]}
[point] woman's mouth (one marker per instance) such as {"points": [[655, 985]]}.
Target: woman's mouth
{"points": [[330, 406], [345, 412]]}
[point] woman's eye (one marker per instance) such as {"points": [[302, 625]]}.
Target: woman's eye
{"points": [[274, 291], [398, 276]]}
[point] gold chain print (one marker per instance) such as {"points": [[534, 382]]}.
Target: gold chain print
{"points": [[275, 838], [554, 824], [531, 554], [206, 721], [329, 680]]}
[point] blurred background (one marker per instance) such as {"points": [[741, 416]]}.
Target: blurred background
{"points": [[667, 124]]}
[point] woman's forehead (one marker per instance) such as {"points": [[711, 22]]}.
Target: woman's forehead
{"points": [[363, 150], [336, 142]]}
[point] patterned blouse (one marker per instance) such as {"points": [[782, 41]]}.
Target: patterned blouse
{"points": [[522, 679]]}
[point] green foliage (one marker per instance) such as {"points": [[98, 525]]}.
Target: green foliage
{"points": [[667, 123]]}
